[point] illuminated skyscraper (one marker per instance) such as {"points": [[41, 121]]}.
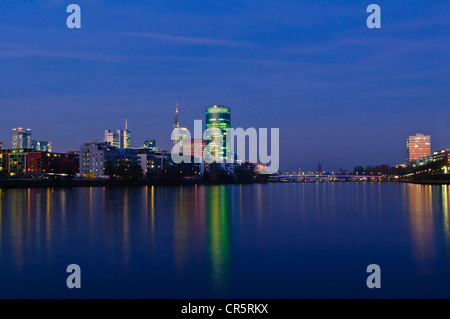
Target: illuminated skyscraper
{"points": [[219, 116], [176, 126], [124, 136], [112, 138], [21, 138], [175, 118], [417, 147]]}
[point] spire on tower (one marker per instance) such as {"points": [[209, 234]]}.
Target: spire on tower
{"points": [[126, 124]]}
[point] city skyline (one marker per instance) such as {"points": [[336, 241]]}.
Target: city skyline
{"points": [[418, 146], [340, 93]]}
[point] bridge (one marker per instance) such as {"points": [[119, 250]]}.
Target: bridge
{"points": [[304, 178]]}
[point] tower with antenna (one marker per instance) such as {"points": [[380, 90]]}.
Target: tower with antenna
{"points": [[176, 124], [124, 136], [180, 132]]}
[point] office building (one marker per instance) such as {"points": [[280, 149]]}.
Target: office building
{"points": [[219, 116], [150, 145], [21, 138], [151, 161], [417, 147], [120, 138], [124, 137], [41, 146], [112, 138]]}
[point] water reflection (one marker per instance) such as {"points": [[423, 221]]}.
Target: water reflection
{"points": [[446, 213], [219, 235], [189, 232], [181, 232], [428, 213], [202, 230]]}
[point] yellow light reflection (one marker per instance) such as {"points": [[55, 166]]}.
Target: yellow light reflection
{"points": [[48, 217], [126, 227], [153, 211], [28, 214], [181, 233], [421, 222], [446, 212]]}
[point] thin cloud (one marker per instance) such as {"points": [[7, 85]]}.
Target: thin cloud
{"points": [[187, 40], [53, 54], [122, 58]]}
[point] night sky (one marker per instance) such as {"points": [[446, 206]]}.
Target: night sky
{"points": [[341, 93]]}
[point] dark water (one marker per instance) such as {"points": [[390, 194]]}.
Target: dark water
{"points": [[251, 241]]}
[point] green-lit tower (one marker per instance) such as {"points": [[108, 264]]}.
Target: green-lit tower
{"points": [[219, 116]]}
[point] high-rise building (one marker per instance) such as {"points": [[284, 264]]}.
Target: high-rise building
{"points": [[219, 116], [21, 138], [120, 138], [112, 138], [176, 127], [180, 132], [124, 136], [175, 118], [417, 147]]}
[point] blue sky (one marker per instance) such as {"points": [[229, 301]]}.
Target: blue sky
{"points": [[340, 93]]}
